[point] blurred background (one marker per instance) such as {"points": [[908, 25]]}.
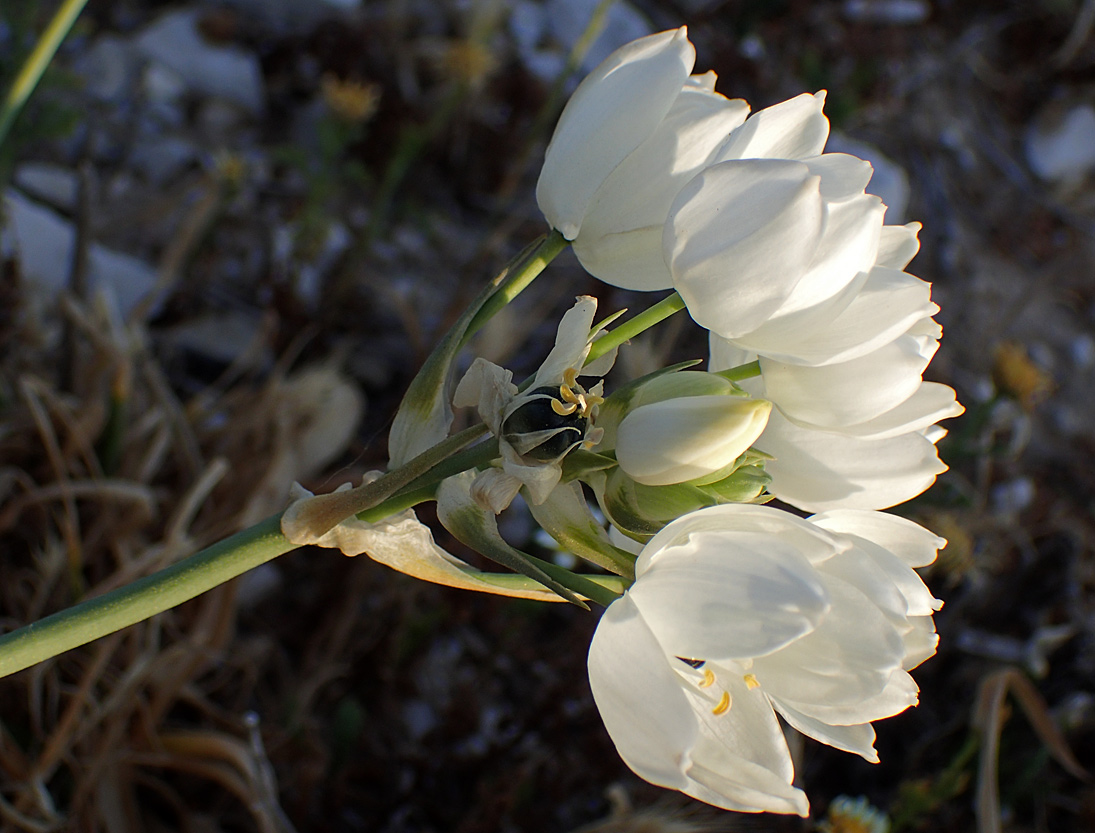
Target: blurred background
{"points": [[231, 232]]}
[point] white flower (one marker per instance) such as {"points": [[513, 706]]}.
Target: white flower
{"points": [[854, 421], [739, 612], [687, 437], [538, 427], [620, 237], [752, 240]]}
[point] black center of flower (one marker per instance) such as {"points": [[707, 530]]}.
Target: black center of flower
{"points": [[539, 415], [693, 663]]}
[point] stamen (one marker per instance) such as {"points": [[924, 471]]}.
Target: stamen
{"points": [[724, 704], [561, 409], [570, 377], [751, 681], [708, 678], [566, 393]]}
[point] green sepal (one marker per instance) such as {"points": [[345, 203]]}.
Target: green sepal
{"points": [[565, 516], [745, 485], [751, 457], [579, 464], [643, 510], [477, 528]]}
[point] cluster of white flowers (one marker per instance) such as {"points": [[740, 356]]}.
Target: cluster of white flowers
{"points": [[740, 612], [722, 614]]}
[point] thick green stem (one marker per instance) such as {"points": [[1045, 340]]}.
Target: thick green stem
{"points": [[143, 598], [637, 324], [34, 67]]}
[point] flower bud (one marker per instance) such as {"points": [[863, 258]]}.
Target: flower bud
{"points": [[677, 440]]}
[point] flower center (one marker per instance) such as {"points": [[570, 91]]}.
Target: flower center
{"points": [[708, 680]]}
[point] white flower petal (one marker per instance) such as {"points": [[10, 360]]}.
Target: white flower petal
{"points": [[849, 242], [843, 671], [909, 541], [610, 114], [895, 695], [898, 245], [631, 197], [848, 393], [888, 304], [571, 343], [640, 697], [931, 403], [729, 595], [857, 738], [820, 470], [738, 239], [843, 176], [627, 259], [793, 129], [741, 761]]}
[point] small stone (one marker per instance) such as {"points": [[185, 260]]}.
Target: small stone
{"points": [[43, 241], [227, 72], [887, 12], [1060, 146], [107, 68], [51, 184]]}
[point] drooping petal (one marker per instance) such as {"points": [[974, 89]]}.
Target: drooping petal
{"points": [[820, 470], [611, 113], [857, 738], [793, 129], [931, 403], [909, 541], [729, 595], [887, 305], [640, 697], [848, 393], [405, 544], [738, 239], [844, 670]]}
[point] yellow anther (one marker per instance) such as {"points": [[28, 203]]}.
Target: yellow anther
{"points": [[593, 399], [751, 681], [567, 394], [724, 704], [708, 678], [561, 409], [570, 377]]}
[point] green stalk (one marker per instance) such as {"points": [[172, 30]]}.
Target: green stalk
{"points": [[633, 326], [530, 267], [143, 598], [35, 65], [741, 372]]}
